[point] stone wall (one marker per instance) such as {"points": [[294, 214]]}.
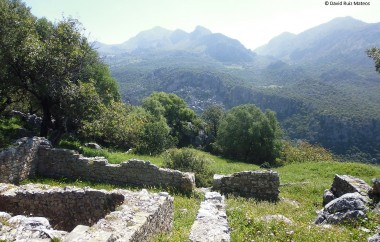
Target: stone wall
{"points": [[65, 208], [57, 163], [18, 163], [35, 156], [211, 222], [262, 185], [117, 215]]}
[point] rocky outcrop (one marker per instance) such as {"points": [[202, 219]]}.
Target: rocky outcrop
{"points": [[349, 207], [348, 200], [211, 222], [262, 185]]}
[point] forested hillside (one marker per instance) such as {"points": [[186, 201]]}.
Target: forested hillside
{"points": [[321, 83]]}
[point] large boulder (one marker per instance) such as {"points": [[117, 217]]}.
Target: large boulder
{"points": [[347, 208], [343, 184]]}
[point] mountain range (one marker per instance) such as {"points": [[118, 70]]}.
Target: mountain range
{"points": [[320, 82]]}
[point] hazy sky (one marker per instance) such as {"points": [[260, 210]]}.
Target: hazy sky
{"points": [[252, 22]]}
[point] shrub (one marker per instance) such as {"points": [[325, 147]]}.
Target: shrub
{"points": [[188, 160], [302, 151]]}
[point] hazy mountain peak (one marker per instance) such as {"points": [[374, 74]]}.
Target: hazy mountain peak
{"points": [[325, 41], [200, 31]]}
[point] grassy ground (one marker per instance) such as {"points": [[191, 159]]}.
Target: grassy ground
{"points": [[301, 197], [299, 203]]}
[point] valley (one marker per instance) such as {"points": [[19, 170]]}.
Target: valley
{"points": [[321, 83]]}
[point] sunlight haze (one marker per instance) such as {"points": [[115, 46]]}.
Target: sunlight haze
{"points": [[253, 23]]}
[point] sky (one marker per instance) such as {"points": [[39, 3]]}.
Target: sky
{"points": [[252, 22]]}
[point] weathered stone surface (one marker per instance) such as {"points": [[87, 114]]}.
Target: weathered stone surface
{"points": [[140, 216], [19, 163], [93, 146], [347, 208], [374, 238], [22, 228], [377, 208], [343, 184], [262, 185], [35, 156], [211, 222], [277, 218], [328, 196], [65, 207]]}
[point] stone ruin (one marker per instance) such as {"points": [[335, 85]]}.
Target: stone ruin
{"points": [[35, 157], [75, 214], [90, 215], [261, 185], [211, 222]]}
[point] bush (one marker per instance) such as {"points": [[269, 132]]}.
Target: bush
{"points": [[302, 151], [188, 160]]}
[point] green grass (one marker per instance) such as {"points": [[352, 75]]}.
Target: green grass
{"points": [[301, 198], [299, 203]]}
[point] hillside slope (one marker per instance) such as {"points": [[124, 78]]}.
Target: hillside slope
{"points": [[321, 83]]}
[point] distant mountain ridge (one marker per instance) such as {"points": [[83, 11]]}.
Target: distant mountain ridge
{"points": [[331, 41], [201, 41], [320, 82]]}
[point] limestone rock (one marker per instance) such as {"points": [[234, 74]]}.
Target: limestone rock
{"points": [[343, 184], [93, 146], [374, 238], [347, 208], [277, 218], [328, 196], [4, 216]]}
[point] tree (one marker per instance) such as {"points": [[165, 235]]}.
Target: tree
{"points": [[181, 119], [250, 135], [374, 53], [125, 127], [47, 62], [212, 116]]}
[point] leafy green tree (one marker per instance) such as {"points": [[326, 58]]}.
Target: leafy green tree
{"points": [[46, 61], [212, 116], [181, 119], [122, 126], [374, 53], [248, 134]]}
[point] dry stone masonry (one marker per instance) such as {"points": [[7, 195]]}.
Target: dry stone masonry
{"points": [[211, 223], [262, 185], [95, 215], [18, 163], [35, 156]]}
